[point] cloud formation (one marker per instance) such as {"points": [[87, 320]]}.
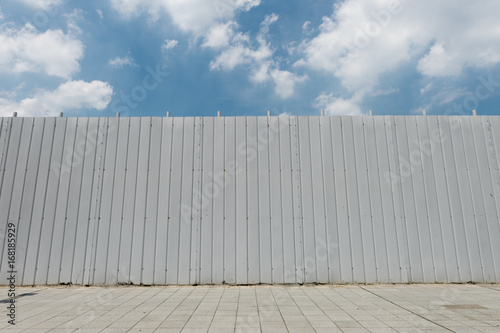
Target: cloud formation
{"points": [[120, 62], [41, 4], [258, 56], [52, 52], [195, 16], [364, 39], [70, 96], [169, 45]]}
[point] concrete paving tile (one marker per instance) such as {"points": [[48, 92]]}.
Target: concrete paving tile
{"points": [[323, 323], [268, 307], [172, 324], [301, 330], [328, 330], [247, 330], [222, 324], [354, 330]]}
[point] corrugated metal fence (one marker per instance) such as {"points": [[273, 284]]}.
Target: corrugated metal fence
{"points": [[247, 200]]}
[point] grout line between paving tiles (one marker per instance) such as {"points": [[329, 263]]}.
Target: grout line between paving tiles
{"points": [[486, 287], [218, 305], [414, 313]]}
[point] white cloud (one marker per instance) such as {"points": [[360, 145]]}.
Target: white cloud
{"points": [[73, 19], [263, 68], [12, 93], [72, 95], [41, 4], [241, 53], [439, 62], [220, 35], [99, 12], [196, 16], [364, 39], [51, 52], [270, 19], [306, 25], [285, 82], [122, 62], [1, 14], [335, 106], [169, 44]]}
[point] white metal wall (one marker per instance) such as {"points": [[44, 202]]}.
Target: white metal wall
{"points": [[246, 200]]}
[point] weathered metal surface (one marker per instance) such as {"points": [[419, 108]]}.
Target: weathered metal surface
{"points": [[247, 200]]}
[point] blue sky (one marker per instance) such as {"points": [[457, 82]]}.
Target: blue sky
{"points": [[244, 57]]}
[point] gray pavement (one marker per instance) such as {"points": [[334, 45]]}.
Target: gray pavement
{"points": [[379, 308]]}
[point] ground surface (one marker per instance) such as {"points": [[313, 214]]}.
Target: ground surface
{"points": [[417, 308]]}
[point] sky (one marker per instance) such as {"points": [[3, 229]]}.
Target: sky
{"points": [[247, 57]]}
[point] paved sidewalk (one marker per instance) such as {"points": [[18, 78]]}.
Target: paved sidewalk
{"points": [[402, 308]]}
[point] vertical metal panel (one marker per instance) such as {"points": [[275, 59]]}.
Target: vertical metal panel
{"points": [[113, 275], [251, 199], [164, 202], [252, 155], [414, 176], [129, 200], [11, 207], [457, 217], [95, 204], [318, 194], [473, 245], [341, 201], [207, 205], [218, 202], [241, 203], [152, 218], [297, 202], [276, 212], [106, 201], [386, 190], [90, 179], [141, 200], [486, 193], [32, 169], [478, 199], [231, 170], [434, 147], [197, 201], [375, 178], [405, 174], [354, 219], [49, 215], [60, 219], [287, 199], [265, 234], [365, 216], [329, 201], [306, 183], [399, 221], [186, 202]]}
